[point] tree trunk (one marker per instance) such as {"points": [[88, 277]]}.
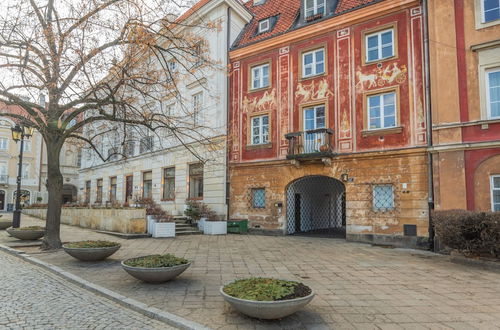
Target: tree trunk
{"points": [[52, 239]]}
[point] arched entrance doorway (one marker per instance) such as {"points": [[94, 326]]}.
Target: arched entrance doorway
{"points": [[316, 206], [69, 193]]}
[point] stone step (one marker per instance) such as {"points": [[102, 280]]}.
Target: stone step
{"points": [[188, 232], [177, 226]]}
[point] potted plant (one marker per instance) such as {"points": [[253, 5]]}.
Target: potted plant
{"points": [[5, 223], [193, 212], [266, 298], [30, 233], [213, 224], [155, 268], [91, 250]]}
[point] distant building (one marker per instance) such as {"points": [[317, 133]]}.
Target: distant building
{"points": [[34, 166], [140, 164]]}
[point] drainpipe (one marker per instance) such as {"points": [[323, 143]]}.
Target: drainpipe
{"points": [[428, 108], [228, 108]]}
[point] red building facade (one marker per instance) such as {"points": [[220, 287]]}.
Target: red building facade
{"points": [[327, 121], [465, 58]]}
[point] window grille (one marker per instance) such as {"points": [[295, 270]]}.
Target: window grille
{"points": [[383, 198], [259, 198]]}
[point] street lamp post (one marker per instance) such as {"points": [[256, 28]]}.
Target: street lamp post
{"points": [[19, 133]]}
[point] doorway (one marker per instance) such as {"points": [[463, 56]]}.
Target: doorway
{"points": [[316, 206]]}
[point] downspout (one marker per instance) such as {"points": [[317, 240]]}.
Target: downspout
{"points": [[428, 108], [228, 109]]}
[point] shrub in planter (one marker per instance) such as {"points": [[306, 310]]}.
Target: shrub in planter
{"points": [[193, 210], [213, 225], [267, 298], [471, 233], [91, 250], [155, 268], [27, 233]]}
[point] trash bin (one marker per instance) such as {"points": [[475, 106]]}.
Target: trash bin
{"points": [[237, 226]]}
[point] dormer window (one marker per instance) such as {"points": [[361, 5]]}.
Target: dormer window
{"points": [[264, 25], [314, 7]]}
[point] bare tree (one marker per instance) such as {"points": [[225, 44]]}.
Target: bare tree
{"points": [[101, 62]]}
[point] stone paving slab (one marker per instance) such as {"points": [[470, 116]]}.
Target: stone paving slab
{"points": [[357, 285], [34, 299]]}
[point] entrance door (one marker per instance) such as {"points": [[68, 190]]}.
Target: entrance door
{"points": [[2, 200], [129, 186], [297, 213]]}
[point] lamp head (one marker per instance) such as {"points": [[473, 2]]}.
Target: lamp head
{"points": [[17, 133]]}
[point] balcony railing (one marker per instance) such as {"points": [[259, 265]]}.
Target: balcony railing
{"points": [[4, 178], [316, 143]]}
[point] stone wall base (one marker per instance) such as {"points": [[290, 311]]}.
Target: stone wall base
{"points": [[412, 242]]}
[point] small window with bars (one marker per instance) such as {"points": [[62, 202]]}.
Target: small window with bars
{"points": [[383, 198], [258, 198]]}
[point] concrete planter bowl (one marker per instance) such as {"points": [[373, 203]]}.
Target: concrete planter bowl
{"points": [[267, 310], [4, 224], [26, 234], [155, 275], [91, 254]]}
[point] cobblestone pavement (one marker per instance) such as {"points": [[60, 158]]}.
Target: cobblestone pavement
{"points": [[358, 286], [31, 298]]}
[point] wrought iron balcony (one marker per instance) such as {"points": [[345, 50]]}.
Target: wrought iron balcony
{"points": [[316, 143], [4, 179]]}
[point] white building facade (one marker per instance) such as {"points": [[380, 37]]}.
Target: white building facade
{"points": [[159, 166]]}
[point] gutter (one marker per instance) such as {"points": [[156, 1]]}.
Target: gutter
{"points": [[228, 109], [428, 109]]}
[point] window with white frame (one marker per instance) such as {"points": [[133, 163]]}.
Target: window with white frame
{"points": [[314, 118], [313, 63], [4, 143], [260, 76], [197, 101], [380, 45], [490, 10], [382, 111], [493, 93], [27, 146], [495, 193], [383, 198], [314, 7], [26, 171], [264, 25], [260, 129], [4, 176]]}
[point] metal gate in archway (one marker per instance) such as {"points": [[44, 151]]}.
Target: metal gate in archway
{"points": [[316, 206]]}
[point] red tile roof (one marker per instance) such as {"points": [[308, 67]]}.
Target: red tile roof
{"points": [[286, 9], [287, 12], [345, 5]]}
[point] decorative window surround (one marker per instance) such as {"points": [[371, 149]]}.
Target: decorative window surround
{"points": [[313, 63], [260, 76]]}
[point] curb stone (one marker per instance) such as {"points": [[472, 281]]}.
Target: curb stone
{"points": [[457, 259], [137, 306]]}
